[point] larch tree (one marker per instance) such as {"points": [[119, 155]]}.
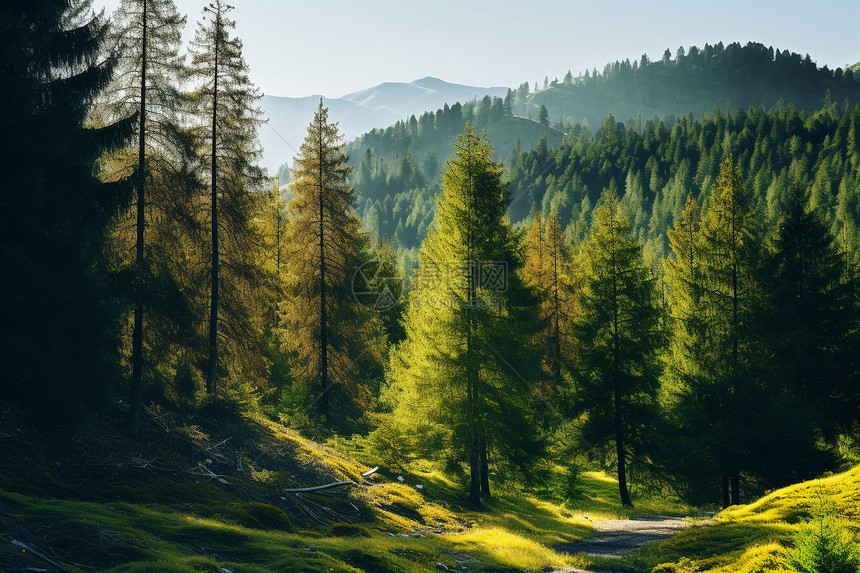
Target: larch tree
{"points": [[684, 292], [619, 338], [58, 312], [332, 336], [731, 354], [146, 36], [460, 375], [545, 269], [687, 457], [227, 103]]}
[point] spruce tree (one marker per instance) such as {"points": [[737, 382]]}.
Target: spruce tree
{"points": [[333, 337], [227, 102], [810, 326], [619, 339], [58, 315], [461, 374]]}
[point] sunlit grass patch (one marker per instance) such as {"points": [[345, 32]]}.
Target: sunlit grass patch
{"points": [[508, 549], [753, 538], [792, 503], [769, 557]]}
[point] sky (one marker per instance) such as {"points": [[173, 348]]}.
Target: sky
{"points": [[333, 48]]}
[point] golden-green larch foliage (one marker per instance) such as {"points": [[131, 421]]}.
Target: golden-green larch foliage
{"points": [[458, 376], [330, 334]]}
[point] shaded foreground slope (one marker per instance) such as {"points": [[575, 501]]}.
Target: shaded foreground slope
{"points": [[207, 492]]}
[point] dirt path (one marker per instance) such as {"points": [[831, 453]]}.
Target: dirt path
{"points": [[619, 537]]}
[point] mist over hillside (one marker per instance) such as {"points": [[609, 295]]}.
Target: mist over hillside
{"points": [[356, 113]]}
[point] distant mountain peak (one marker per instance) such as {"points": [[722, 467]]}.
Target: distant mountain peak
{"points": [[358, 112]]}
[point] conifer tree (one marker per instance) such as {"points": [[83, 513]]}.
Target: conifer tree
{"points": [[331, 335], [146, 36], [813, 319], [227, 102], [731, 353], [535, 245], [463, 367], [619, 339], [58, 315], [684, 279], [545, 267]]}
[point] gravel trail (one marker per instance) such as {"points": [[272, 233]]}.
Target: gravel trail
{"points": [[619, 537]]}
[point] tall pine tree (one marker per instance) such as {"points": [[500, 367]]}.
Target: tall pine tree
{"points": [[811, 323], [333, 338], [619, 339], [463, 366], [227, 103], [146, 36], [546, 270], [731, 353]]}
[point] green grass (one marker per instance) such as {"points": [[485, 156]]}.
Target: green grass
{"points": [[122, 506], [755, 537]]}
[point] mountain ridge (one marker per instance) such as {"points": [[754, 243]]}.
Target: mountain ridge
{"points": [[356, 112]]}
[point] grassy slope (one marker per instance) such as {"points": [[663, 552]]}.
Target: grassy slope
{"points": [[107, 503], [754, 537]]}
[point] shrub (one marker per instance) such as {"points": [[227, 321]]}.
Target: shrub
{"points": [[824, 546], [768, 558]]}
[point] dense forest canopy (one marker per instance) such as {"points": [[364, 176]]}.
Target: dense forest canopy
{"points": [[696, 80], [654, 170], [397, 169]]}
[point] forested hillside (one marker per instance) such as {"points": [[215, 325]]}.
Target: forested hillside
{"points": [[397, 169], [653, 171], [696, 80]]}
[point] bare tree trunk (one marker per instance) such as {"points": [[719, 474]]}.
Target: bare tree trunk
{"points": [[485, 466], [137, 334], [323, 317], [212, 366], [736, 489], [621, 453]]}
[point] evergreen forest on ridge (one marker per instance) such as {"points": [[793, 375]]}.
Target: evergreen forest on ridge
{"points": [[604, 323]]}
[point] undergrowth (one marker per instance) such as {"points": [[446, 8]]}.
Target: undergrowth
{"points": [[209, 492]]}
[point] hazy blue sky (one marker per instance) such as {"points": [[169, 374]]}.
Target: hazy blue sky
{"points": [[332, 48]]}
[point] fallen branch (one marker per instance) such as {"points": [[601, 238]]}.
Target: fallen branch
{"points": [[323, 508], [322, 487], [206, 472], [370, 472], [40, 556], [312, 514]]}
